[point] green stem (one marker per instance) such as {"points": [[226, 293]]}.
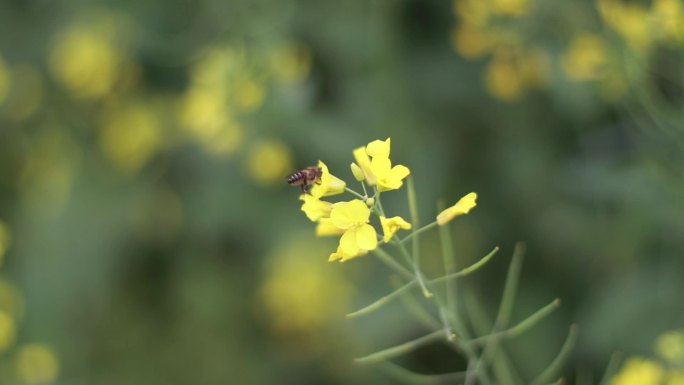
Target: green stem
{"points": [[382, 301], [420, 230], [347, 189], [409, 377], [415, 220], [613, 364], [556, 365], [416, 270], [391, 262], [401, 349], [521, 327], [468, 270]]}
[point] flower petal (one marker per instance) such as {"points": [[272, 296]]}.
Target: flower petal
{"points": [[325, 227], [379, 148], [364, 162], [399, 172], [366, 237], [463, 206], [381, 167], [314, 208], [391, 226], [348, 243], [339, 215]]}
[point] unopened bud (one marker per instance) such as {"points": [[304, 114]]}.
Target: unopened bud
{"points": [[358, 173]]}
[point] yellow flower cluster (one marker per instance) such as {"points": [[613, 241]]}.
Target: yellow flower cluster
{"points": [[351, 219], [518, 63], [646, 371]]}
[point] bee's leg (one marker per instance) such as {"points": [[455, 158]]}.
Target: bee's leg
{"points": [[303, 188]]}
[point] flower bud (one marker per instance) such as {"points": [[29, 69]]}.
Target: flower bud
{"points": [[370, 202], [358, 173]]}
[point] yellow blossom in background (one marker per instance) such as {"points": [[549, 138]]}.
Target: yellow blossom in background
{"points": [[4, 240], [85, 62], [7, 331], [299, 295], [268, 161], [203, 112], [315, 208], [392, 225], [359, 237], [290, 63], [227, 140], [471, 41], [503, 78], [36, 364], [328, 185], [629, 20], [670, 346], [214, 65], [130, 136], [462, 207], [510, 7], [639, 371], [473, 12], [248, 94], [668, 19], [585, 58], [5, 79], [376, 166], [26, 93]]}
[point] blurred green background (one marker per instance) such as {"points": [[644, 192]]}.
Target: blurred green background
{"points": [[149, 236]]}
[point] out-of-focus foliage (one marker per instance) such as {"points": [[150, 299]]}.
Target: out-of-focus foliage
{"points": [[144, 148]]}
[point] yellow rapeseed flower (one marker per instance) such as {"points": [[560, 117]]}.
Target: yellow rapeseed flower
{"points": [[328, 185], [376, 166], [325, 227], [314, 208], [675, 377], [392, 225], [359, 237], [639, 371], [463, 206]]}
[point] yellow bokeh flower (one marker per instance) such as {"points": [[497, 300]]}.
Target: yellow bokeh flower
{"points": [[314, 208], [359, 237], [301, 298], [376, 166], [639, 371], [328, 185], [670, 346], [503, 77], [290, 63], [471, 41], [130, 136], [36, 365], [392, 225], [8, 331], [268, 161], [585, 58], [463, 206], [86, 63]]}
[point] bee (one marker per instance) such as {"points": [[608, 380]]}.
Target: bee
{"points": [[305, 178]]}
